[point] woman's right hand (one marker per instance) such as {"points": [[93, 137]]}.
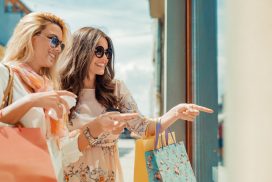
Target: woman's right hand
{"points": [[110, 121], [51, 99], [107, 122]]}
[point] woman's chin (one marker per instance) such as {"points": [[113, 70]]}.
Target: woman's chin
{"points": [[50, 63], [100, 73]]}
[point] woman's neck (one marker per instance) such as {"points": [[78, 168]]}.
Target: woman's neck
{"points": [[34, 66], [90, 82]]}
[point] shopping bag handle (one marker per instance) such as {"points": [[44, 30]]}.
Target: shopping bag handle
{"points": [[167, 131], [157, 134]]}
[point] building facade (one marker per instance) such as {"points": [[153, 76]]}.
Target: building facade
{"points": [[185, 56]]}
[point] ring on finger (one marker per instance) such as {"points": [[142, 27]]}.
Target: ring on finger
{"points": [[59, 105]]}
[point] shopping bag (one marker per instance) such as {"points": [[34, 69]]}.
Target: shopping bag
{"points": [[141, 146], [24, 156], [169, 163]]}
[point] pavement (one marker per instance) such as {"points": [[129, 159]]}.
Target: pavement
{"points": [[127, 154]]}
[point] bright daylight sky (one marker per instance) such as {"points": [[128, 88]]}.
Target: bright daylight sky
{"points": [[129, 25]]}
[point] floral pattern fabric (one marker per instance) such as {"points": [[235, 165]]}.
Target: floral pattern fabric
{"points": [[100, 163]]}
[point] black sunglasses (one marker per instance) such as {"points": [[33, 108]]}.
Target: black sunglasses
{"points": [[100, 51], [55, 42]]}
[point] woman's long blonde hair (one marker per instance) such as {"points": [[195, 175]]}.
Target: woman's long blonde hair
{"points": [[20, 48]]}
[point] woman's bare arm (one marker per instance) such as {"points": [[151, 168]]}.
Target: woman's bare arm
{"points": [[186, 112]]}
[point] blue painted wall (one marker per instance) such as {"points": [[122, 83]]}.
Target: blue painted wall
{"points": [[7, 23], [204, 55]]}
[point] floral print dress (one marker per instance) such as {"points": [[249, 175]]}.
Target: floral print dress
{"points": [[100, 163]]}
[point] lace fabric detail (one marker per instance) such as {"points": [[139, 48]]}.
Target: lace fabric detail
{"points": [[127, 104]]}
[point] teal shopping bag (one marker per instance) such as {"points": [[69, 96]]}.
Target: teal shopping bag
{"points": [[169, 163]]}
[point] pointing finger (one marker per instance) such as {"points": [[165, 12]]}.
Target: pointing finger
{"points": [[203, 109]]}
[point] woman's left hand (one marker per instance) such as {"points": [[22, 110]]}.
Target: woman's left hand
{"points": [[119, 129], [183, 111], [189, 112]]}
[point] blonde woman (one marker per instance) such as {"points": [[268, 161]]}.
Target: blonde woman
{"points": [[32, 52], [88, 72]]}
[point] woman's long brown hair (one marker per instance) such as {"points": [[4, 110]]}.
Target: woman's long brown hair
{"points": [[76, 63]]}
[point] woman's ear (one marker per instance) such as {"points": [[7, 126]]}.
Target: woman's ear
{"points": [[33, 41]]}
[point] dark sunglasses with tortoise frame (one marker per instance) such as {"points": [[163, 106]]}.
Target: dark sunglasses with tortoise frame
{"points": [[100, 51]]}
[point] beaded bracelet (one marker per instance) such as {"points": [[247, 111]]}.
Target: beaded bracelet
{"points": [[92, 141]]}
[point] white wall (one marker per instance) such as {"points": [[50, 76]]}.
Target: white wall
{"points": [[248, 126]]}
